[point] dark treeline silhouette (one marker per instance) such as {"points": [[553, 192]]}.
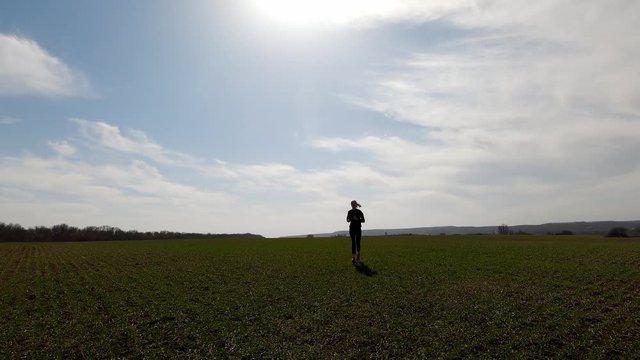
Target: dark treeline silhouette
{"points": [[63, 232], [618, 232]]}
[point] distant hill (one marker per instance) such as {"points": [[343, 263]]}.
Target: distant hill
{"points": [[577, 228]]}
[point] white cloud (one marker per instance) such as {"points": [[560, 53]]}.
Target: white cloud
{"points": [[504, 180], [10, 194], [46, 191], [62, 148], [538, 113], [462, 176], [131, 196], [270, 198], [134, 142], [251, 178], [542, 61], [28, 69]]}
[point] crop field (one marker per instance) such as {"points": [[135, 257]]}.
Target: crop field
{"points": [[412, 297]]}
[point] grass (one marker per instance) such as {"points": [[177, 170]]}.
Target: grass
{"points": [[412, 297]]}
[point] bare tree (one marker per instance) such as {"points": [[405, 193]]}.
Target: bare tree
{"points": [[504, 229]]}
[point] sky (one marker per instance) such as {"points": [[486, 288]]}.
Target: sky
{"points": [[270, 116]]}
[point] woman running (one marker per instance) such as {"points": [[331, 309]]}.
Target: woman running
{"points": [[355, 218]]}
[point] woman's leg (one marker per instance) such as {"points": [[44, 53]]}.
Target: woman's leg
{"points": [[353, 234], [358, 238]]}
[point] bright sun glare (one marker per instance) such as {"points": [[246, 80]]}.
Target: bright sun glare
{"points": [[311, 13]]}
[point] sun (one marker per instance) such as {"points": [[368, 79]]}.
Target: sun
{"points": [[316, 13]]}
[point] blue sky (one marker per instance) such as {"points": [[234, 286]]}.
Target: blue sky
{"points": [[271, 116]]}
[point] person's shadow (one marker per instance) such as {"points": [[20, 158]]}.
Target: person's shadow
{"points": [[364, 269]]}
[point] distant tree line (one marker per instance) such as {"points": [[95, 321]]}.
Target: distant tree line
{"points": [[505, 230], [64, 232], [618, 232]]}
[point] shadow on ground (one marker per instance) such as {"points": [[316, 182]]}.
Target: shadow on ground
{"points": [[364, 269]]}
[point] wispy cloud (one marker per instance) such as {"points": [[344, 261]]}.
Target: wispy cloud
{"points": [[467, 172], [266, 198], [48, 190], [62, 148], [548, 60], [135, 195], [28, 69], [132, 141], [541, 109], [263, 177], [470, 177]]}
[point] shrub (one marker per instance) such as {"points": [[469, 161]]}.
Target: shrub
{"points": [[618, 232]]}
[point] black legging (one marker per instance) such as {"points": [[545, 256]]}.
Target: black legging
{"points": [[356, 235]]}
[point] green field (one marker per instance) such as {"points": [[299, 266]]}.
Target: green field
{"points": [[414, 297]]}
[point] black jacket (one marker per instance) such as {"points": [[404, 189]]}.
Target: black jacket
{"points": [[355, 217]]}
